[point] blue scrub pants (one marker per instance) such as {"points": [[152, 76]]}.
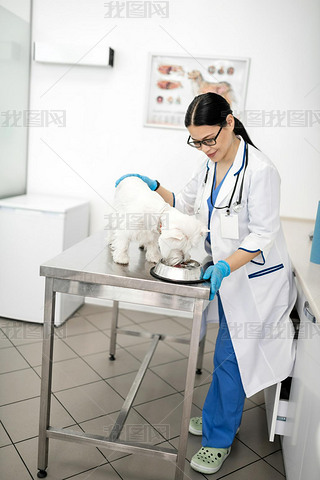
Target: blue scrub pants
{"points": [[222, 410]]}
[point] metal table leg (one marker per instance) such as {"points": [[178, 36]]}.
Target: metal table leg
{"points": [[46, 377], [114, 326], [200, 355], [188, 393]]}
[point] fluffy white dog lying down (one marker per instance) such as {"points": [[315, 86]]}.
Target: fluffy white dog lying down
{"points": [[162, 230]]}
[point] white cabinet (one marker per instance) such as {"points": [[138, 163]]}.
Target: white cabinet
{"points": [[33, 229], [297, 420], [276, 410], [301, 444]]}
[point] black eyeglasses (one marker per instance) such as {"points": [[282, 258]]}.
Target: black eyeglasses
{"points": [[209, 142]]}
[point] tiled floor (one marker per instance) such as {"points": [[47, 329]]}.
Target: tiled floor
{"points": [[89, 390]]}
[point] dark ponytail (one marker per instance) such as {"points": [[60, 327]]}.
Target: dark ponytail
{"points": [[240, 130], [213, 109]]}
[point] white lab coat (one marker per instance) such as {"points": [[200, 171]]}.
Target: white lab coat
{"points": [[258, 297]]}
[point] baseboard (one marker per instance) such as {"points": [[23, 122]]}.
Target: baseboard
{"points": [[140, 308]]}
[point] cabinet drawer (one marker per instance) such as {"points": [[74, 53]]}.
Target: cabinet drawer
{"points": [[276, 410]]}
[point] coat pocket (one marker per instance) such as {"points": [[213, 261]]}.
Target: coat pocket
{"points": [[266, 271], [271, 291]]}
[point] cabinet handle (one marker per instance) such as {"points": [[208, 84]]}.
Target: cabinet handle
{"points": [[308, 313]]}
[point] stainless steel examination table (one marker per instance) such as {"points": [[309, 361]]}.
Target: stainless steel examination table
{"points": [[87, 269]]}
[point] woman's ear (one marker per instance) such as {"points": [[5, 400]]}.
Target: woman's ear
{"points": [[230, 121]]}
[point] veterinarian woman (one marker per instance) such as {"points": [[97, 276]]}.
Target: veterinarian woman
{"points": [[236, 191]]}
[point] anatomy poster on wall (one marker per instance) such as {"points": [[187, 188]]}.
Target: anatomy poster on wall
{"points": [[173, 81]]}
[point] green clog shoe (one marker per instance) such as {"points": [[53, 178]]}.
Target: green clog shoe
{"points": [[209, 460], [195, 426]]}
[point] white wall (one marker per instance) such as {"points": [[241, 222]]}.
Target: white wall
{"points": [[105, 138]]}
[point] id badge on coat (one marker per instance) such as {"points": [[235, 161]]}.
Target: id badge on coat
{"points": [[229, 226]]}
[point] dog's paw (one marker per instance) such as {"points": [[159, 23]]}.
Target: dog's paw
{"points": [[121, 258]]}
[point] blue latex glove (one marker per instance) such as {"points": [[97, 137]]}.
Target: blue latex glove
{"points": [[152, 184], [216, 273]]}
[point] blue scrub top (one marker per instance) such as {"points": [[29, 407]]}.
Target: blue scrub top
{"points": [[213, 197]]}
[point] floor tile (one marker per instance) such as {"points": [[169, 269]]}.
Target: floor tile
{"points": [[75, 326], [152, 387], [10, 360], [70, 373], [136, 429], [254, 432], [106, 472], [92, 309], [4, 439], [258, 398], [209, 348], [240, 455], [212, 328], [163, 354], [33, 352], [134, 468], [20, 385], [186, 322], [103, 320], [22, 332], [200, 393], [208, 361], [4, 341], [165, 414], [175, 374], [90, 401], [93, 342], [258, 470], [21, 419], [141, 317], [127, 340], [86, 398], [124, 363], [12, 465], [194, 444], [164, 325], [207, 365], [184, 348], [248, 404], [65, 458], [276, 460]]}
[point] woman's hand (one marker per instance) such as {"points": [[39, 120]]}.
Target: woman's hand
{"points": [[152, 184], [216, 273]]}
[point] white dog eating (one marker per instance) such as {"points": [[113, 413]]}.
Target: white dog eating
{"points": [[163, 231]]}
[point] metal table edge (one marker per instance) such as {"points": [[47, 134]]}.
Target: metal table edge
{"points": [[152, 285]]}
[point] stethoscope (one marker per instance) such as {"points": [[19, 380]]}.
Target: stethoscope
{"points": [[238, 205]]}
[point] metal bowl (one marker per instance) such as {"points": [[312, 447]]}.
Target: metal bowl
{"points": [[185, 272]]}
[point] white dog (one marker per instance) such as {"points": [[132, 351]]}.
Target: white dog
{"points": [[143, 215]]}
